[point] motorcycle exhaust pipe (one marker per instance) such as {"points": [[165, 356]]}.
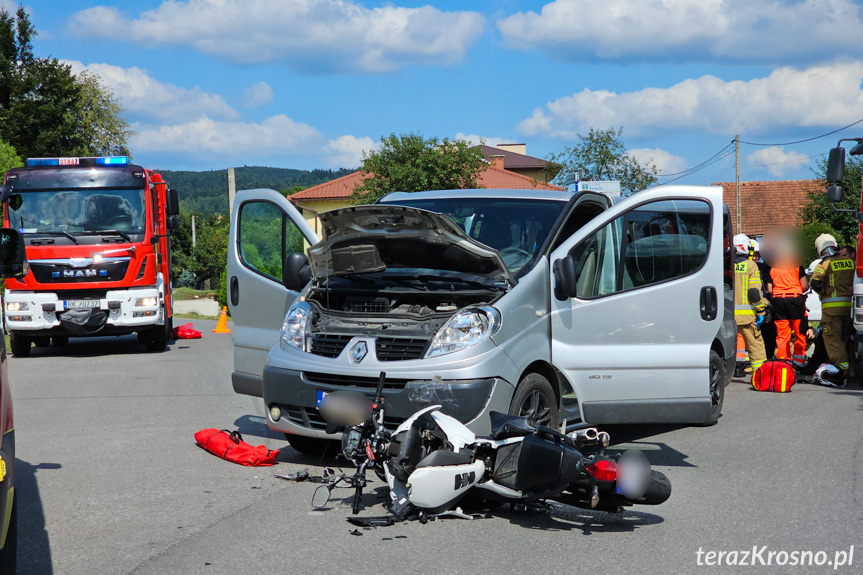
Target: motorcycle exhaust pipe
{"points": [[588, 434]]}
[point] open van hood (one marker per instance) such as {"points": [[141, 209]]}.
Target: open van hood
{"points": [[368, 239]]}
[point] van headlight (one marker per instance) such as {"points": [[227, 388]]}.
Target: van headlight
{"points": [[296, 325], [467, 327]]}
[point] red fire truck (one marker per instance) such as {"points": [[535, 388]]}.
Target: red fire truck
{"points": [[97, 241]]}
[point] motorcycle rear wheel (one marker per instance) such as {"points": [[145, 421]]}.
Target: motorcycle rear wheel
{"points": [[658, 490]]}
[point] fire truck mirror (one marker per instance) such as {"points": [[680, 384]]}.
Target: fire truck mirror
{"points": [[858, 149], [4, 192], [173, 223], [835, 165], [13, 261], [834, 193], [172, 202]]}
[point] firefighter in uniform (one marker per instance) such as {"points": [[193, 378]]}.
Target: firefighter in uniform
{"points": [[748, 315], [833, 279]]}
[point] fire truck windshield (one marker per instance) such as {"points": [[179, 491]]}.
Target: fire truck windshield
{"points": [[78, 211]]}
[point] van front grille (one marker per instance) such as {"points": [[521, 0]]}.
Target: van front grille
{"points": [[400, 348]]}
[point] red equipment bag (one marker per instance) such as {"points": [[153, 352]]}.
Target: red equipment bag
{"points": [[775, 376], [186, 331], [229, 445]]}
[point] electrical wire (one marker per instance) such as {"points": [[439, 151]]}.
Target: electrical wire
{"points": [[786, 162], [697, 167], [702, 166], [806, 140]]}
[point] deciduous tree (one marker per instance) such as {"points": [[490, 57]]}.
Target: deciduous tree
{"points": [[601, 155], [411, 163]]}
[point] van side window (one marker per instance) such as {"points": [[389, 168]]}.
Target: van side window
{"points": [[265, 236], [653, 243]]}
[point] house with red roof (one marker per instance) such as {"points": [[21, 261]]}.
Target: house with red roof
{"points": [[767, 205], [337, 193]]}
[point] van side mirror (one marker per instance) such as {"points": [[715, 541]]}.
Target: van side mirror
{"points": [[172, 202], [296, 272], [753, 294], [565, 280], [835, 165], [13, 260]]}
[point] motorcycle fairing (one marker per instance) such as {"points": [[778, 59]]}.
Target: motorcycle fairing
{"points": [[435, 489]]}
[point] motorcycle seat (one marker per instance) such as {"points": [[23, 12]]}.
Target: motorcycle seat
{"points": [[504, 426]]}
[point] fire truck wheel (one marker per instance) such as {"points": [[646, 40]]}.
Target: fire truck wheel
{"points": [[20, 344], [158, 337]]}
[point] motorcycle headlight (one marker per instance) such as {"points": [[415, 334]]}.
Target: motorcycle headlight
{"points": [[466, 328], [296, 324]]}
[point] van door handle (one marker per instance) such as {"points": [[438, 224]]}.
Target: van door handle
{"points": [[235, 291], [708, 303]]}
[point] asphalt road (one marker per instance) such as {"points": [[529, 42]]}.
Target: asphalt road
{"points": [[111, 482]]}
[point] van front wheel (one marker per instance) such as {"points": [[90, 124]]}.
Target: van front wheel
{"points": [[534, 398]]}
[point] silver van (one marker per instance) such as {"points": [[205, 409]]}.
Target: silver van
{"points": [[556, 305]]}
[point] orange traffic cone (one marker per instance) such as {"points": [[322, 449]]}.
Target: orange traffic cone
{"points": [[222, 327]]}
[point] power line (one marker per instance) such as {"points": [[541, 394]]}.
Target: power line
{"points": [[697, 167], [702, 166], [807, 139]]}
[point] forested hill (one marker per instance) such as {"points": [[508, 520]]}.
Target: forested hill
{"points": [[207, 192]]}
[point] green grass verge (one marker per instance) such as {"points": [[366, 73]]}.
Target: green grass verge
{"points": [[185, 293]]}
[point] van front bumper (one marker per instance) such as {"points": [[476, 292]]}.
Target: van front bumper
{"points": [[295, 393]]}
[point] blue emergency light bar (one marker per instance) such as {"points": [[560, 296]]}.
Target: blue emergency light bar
{"points": [[99, 161]]}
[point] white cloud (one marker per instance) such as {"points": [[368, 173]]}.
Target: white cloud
{"points": [[772, 31], [242, 141], [258, 95], [310, 36], [144, 97], [665, 162], [819, 96], [777, 161], [476, 140], [347, 151]]}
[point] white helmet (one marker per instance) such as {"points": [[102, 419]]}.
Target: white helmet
{"points": [[828, 374], [825, 241], [741, 244], [754, 245]]}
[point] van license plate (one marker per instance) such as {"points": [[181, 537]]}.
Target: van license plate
{"points": [[321, 395], [81, 303]]}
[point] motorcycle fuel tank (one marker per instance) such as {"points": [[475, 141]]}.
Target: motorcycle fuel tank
{"points": [[436, 487]]}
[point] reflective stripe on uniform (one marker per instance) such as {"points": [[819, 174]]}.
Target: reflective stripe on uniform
{"points": [[836, 302]]}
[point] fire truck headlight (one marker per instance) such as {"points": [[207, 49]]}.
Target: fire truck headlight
{"points": [[16, 306], [146, 302]]}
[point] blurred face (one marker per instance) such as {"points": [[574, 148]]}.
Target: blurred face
{"points": [[782, 248]]}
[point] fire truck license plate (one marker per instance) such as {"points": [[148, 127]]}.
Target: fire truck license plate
{"points": [[81, 303]]}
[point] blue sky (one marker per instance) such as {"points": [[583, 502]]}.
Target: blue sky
{"points": [[208, 84]]}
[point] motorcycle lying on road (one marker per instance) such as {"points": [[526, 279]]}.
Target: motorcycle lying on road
{"points": [[432, 460]]}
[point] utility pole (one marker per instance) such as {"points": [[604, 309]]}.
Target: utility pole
{"points": [[193, 231], [737, 170], [232, 189]]}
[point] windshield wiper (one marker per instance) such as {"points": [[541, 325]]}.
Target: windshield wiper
{"points": [[123, 235], [57, 233]]}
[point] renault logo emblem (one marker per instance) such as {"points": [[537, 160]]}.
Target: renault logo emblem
{"points": [[359, 351]]}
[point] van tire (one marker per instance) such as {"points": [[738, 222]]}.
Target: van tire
{"points": [[717, 387], [20, 344], [42, 341], [534, 393], [60, 340], [314, 446]]}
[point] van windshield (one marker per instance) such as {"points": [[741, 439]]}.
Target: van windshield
{"points": [[516, 228]]}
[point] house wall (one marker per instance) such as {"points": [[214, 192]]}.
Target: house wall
{"points": [[319, 206]]}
